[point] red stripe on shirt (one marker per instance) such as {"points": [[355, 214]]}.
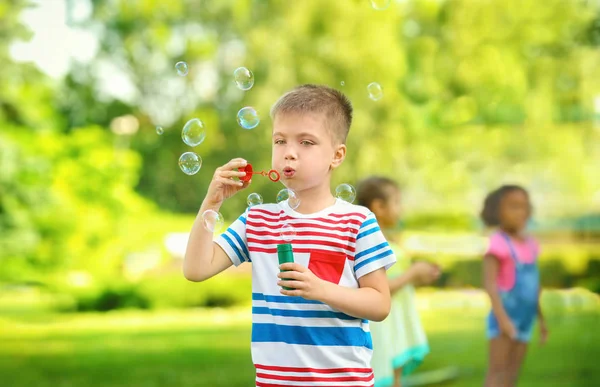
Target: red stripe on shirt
{"points": [[261, 384], [343, 218], [314, 370], [297, 225], [303, 233], [297, 242], [290, 378], [298, 250]]}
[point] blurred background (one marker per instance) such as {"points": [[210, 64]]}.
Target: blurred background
{"points": [[94, 209]]}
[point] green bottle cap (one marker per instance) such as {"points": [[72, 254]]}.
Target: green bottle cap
{"points": [[284, 247]]}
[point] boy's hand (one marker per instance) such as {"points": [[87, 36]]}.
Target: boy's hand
{"points": [[304, 282], [543, 332], [425, 273], [223, 185]]}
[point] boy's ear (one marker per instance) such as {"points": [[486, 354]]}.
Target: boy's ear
{"points": [[338, 156]]}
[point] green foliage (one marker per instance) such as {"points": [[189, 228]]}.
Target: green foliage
{"points": [[172, 291], [63, 200], [469, 87], [475, 94]]}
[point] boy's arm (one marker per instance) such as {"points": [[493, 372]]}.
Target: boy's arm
{"points": [[371, 301], [203, 258]]}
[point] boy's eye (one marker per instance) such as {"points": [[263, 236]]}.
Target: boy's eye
{"points": [[306, 142], [279, 142]]}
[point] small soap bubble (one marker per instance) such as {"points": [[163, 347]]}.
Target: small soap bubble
{"points": [[343, 83], [182, 68], [159, 130], [288, 232], [248, 118], [380, 5], [289, 195], [244, 79], [254, 199], [193, 132], [375, 91], [190, 163], [212, 220], [345, 192]]}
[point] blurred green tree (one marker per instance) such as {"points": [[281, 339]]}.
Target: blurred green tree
{"points": [[475, 93]]}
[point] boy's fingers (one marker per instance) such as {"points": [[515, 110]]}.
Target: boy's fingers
{"points": [[232, 173], [235, 163], [293, 293], [290, 274], [227, 181], [292, 266], [292, 284]]}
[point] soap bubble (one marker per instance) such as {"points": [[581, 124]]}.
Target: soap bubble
{"points": [[159, 130], [287, 232], [212, 220], [254, 199], [343, 83], [248, 118], [345, 192], [193, 132], [375, 91], [182, 68], [380, 5], [190, 163], [291, 197], [244, 79]]}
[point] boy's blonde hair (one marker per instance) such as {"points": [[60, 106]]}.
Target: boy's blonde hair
{"points": [[319, 99]]}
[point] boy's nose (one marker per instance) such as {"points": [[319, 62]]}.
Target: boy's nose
{"points": [[290, 154]]}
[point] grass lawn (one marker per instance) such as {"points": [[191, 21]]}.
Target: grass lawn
{"points": [[211, 348]]}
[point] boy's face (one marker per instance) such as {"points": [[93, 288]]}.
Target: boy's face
{"points": [[303, 150]]}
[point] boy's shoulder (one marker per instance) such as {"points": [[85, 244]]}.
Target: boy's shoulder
{"points": [[266, 208], [341, 208], [351, 209]]}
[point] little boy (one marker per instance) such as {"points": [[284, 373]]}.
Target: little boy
{"points": [[310, 328]]}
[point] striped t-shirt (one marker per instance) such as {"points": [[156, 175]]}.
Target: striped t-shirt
{"points": [[299, 342]]}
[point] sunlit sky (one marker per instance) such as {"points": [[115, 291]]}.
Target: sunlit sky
{"points": [[55, 43]]}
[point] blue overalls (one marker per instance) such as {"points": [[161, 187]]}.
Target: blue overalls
{"points": [[520, 302]]}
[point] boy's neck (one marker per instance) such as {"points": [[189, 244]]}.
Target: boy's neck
{"points": [[315, 199]]}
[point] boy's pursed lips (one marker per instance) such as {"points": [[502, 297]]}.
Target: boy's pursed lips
{"points": [[289, 171]]}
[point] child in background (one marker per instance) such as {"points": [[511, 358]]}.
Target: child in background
{"points": [[399, 341], [511, 279]]}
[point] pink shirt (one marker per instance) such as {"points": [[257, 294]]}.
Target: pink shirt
{"points": [[527, 252]]}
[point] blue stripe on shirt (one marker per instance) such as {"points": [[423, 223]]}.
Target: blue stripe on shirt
{"points": [[368, 232], [301, 313], [367, 223], [372, 259], [240, 241], [316, 336], [283, 299], [233, 246], [370, 250]]}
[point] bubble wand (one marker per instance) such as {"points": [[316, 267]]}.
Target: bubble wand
{"points": [[272, 174]]}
